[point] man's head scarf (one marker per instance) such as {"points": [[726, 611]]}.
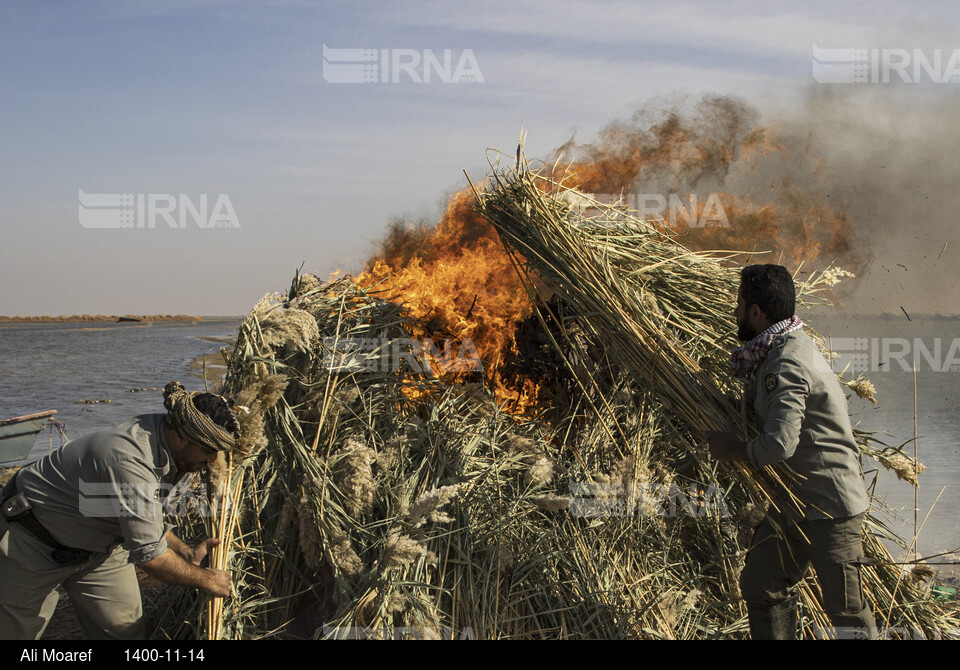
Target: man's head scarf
{"points": [[195, 426]]}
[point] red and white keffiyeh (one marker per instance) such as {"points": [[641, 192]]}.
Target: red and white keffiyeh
{"points": [[745, 359]]}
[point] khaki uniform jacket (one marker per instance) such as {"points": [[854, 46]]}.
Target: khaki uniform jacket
{"points": [[106, 489], [802, 417]]}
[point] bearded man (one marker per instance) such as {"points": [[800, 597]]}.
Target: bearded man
{"points": [[801, 416]]}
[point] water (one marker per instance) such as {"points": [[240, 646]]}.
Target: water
{"points": [[55, 365], [886, 349]]}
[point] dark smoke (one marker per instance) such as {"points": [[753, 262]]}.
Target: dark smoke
{"points": [[861, 178], [403, 241], [893, 154], [666, 147], [773, 187]]}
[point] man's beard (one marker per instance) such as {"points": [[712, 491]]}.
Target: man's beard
{"points": [[744, 332]]}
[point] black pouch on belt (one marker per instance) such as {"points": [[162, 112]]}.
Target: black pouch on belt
{"points": [[17, 509]]}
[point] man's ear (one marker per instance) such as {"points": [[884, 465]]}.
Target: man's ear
{"points": [[756, 313]]}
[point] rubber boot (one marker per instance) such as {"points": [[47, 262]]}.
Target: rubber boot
{"points": [[777, 622]]}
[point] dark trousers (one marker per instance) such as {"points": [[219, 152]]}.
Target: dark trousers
{"points": [[779, 559]]}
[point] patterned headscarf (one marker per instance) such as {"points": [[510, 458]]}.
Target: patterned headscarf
{"points": [[745, 359], [192, 424]]}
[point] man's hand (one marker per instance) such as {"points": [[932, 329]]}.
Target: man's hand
{"points": [[180, 565], [200, 551], [726, 446], [219, 584], [193, 554]]}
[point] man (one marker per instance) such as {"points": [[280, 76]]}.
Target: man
{"points": [[85, 515], [802, 418]]}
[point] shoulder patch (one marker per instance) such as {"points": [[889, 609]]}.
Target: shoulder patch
{"points": [[770, 382]]}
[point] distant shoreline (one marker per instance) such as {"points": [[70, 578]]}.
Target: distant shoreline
{"points": [[126, 318]]}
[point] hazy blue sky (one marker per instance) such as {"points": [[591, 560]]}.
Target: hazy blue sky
{"points": [[204, 97]]}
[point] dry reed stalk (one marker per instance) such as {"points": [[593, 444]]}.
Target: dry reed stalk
{"points": [[224, 522], [604, 267], [493, 562]]}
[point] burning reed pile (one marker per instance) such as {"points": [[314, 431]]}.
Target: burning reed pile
{"points": [[380, 491]]}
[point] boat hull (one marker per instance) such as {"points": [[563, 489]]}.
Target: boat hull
{"points": [[17, 436]]}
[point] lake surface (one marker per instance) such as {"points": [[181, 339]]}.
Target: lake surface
{"points": [[57, 365], [54, 365], [884, 349]]}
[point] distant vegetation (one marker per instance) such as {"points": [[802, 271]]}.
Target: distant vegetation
{"points": [[104, 317]]}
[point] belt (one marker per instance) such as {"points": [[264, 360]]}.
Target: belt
{"points": [[16, 509]]}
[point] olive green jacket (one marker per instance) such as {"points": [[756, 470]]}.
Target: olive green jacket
{"points": [[801, 413], [106, 489]]}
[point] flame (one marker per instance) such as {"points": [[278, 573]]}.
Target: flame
{"points": [[460, 285]]}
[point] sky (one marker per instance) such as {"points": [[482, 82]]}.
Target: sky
{"points": [[233, 105]]}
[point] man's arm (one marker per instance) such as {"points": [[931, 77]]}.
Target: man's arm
{"points": [[173, 568], [784, 404], [785, 407], [181, 548], [194, 555]]}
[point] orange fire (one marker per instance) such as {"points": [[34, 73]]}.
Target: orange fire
{"points": [[462, 289], [688, 170], [460, 285]]}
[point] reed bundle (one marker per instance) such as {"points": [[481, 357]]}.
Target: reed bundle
{"points": [[370, 499], [652, 305]]}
